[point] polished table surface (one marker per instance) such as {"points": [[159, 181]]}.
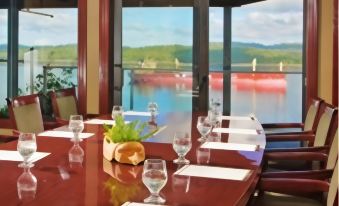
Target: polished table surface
{"points": [[99, 182]]}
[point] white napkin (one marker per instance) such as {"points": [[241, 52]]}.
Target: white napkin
{"points": [[64, 134], [237, 118], [229, 146], [236, 131], [15, 156], [213, 172], [139, 204], [136, 113], [100, 121], [160, 130]]}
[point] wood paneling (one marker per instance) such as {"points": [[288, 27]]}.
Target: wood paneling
{"points": [[335, 55], [82, 56], [104, 42], [311, 58]]}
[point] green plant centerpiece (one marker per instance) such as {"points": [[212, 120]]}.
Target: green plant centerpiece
{"points": [[122, 141]]}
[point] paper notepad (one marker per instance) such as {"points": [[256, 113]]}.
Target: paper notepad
{"points": [[138, 204], [236, 131], [100, 121], [135, 113], [229, 146], [214, 172], [237, 118], [15, 156], [63, 134]]}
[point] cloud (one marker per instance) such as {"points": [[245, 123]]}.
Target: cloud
{"points": [[276, 6], [42, 30], [3, 29]]}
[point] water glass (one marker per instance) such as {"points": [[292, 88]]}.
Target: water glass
{"points": [[182, 144], [203, 155], [214, 117], [26, 185], [153, 108], [26, 147], [76, 154], [117, 111], [76, 125], [204, 127], [154, 176]]}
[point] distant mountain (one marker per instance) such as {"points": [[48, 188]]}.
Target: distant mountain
{"points": [[170, 55]]}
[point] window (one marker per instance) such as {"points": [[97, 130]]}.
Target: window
{"points": [[3, 61]]}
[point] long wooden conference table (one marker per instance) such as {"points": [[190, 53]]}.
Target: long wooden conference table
{"points": [[99, 182]]}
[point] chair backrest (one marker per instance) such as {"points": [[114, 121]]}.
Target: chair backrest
{"points": [[312, 113], [333, 154], [332, 193], [64, 103], [25, 113], [324, 125]]}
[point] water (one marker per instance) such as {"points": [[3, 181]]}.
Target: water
{"points": [[154, 180], [26, 148], [182, 149], [204, 130], [76, 126]]}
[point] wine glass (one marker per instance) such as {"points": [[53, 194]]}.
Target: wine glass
{"points": [[154, 176], [26, 147], [182, 144], [204, 127], [117, 111], [214, 117], [153, 108], [76, 125], [26, 185]]}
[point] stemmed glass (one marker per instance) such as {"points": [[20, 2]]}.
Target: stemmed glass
{"points": [[214, 117], [204, 127], [154, 176], [117, 111], [76, 125], [182, 144], [26, 185], [153, 108], [26, 147]]}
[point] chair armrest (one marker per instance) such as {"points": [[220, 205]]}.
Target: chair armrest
{"points": [[268, 133], [307, 156], [280, 138], [312, 174], [282, 125], [323, 149], [293, 186]]}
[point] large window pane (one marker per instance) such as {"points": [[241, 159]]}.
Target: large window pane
{"points": [[47, 49], [3, 61], [157, 58], [267, 60]]}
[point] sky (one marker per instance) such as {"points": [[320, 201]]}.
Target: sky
{"points": [[268, 22]]}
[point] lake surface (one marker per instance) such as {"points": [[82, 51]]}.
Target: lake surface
{"points": [[278, 99]]}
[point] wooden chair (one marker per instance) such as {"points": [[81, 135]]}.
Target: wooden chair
{"points": [[25, 114], [298, 191], [297, 158], [64, 103], [309, 126]]}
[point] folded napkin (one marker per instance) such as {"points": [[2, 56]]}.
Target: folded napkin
{"points": [[100, 121], [213, 172], [15, 156], [136, 113], [229, 146], [63, 134], [236, 131]]}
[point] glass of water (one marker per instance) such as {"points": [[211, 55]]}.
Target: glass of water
{"points": [[154, 176], [182, 144], [26, 147], [214, 117], [204, 127], [117, 111], [76, 125], [153, 108]]}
